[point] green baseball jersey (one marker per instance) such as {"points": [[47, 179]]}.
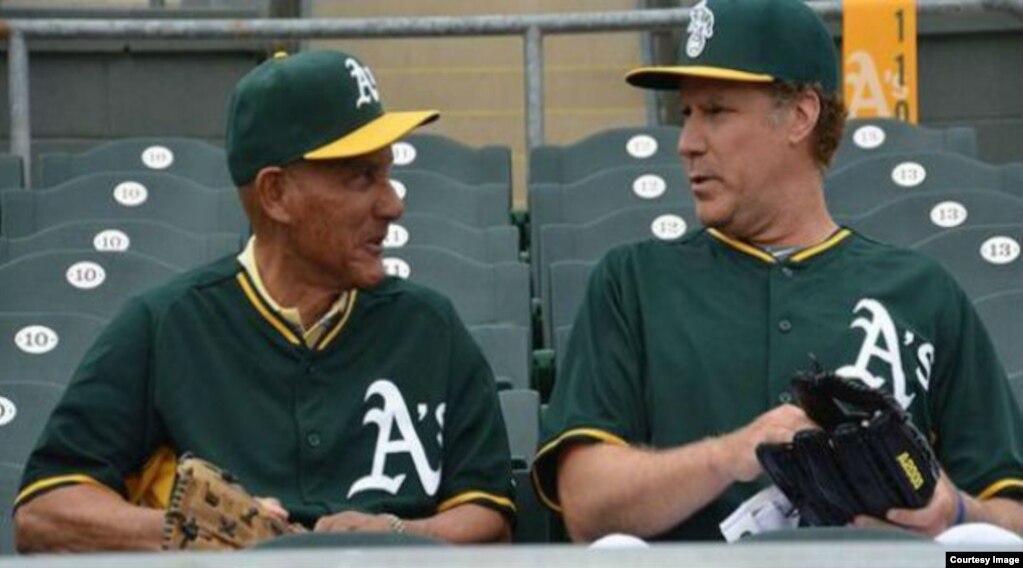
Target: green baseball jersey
{"points": [[677, 342], [394, 409]]}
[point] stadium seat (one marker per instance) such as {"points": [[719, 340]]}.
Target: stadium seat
{"points": [[481, 293], [25, 407], [1002, 314], [157, 240], [10, 479], [600, 194], [908, 220], [567, 288], [86, 282], [482, 205], [868, 183], [196, 160], [11, 174], [869, 137], [665, 221], [488, 244], [521, 411], [452, 159], [984, 259], [44, 346], [533, 524], [507, 349], [603, 150], [146, 196]]}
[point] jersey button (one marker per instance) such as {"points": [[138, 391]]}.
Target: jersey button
{"points": [[786, 271], [785, 398], [785, 326], [313, 439]]}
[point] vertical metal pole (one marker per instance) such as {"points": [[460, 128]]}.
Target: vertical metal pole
{"points": [[534, 88], [17, 79]]}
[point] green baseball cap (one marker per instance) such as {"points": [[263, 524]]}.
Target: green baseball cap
{"points": [[758, 41], [315, 105]]}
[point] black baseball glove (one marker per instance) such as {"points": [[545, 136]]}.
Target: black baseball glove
{"points": [[867, 458]]}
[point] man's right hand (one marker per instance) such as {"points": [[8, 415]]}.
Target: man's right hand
{"points": [[739, 448]]}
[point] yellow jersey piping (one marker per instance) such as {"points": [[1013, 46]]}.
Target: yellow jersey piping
{"points": [[600, 435], [50, 482], [996, 487], [349, 308], [243, 280], [470, 496], [838, 237]]}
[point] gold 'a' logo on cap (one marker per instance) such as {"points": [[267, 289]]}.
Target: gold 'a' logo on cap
{"points": [[701, 28], [367, 84]]}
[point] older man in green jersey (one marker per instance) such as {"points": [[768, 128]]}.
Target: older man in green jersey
{"points": [[681, 355], [354, 401]]}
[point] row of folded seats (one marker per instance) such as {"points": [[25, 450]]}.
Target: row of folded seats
{"points": [[102, 225]]}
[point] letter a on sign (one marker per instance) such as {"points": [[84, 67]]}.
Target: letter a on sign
{"points": [[879, 58]]}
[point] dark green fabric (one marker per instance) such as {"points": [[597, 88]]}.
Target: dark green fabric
{"points": [[289, 106], [781, 38], [194, 365], [676, 342]]}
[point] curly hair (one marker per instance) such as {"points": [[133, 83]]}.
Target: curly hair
{"points": [[830, 124]]}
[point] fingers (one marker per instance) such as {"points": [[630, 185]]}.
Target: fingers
{"points": [[781, 424], [777, 426], [352, 521], [936, 516], [274, 507], [868, 522]]}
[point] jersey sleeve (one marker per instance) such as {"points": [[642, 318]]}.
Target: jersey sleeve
{"points": [[598, 395], [103, 426], [979, 427], [477, 460]]}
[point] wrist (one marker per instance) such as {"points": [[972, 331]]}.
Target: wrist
{"points": [[960, 513], [722, 458]]}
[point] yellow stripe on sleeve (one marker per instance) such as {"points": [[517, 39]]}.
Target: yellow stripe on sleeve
{"points": [[51, 482], [997, 487], [470, 496], [548, 448]]}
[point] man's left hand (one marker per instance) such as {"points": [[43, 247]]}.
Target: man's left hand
{"points": [[353, 521], [932, 520]]}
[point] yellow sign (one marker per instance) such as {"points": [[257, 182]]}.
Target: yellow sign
{"points": [[879, 58]]}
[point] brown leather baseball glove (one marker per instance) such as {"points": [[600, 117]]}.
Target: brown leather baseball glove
{"points": [[209, 510]]}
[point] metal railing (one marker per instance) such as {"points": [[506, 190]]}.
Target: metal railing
{"points": [[532, 29]]}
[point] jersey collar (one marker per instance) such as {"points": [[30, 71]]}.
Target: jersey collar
{"points": [[827, 244], [288, 321]]}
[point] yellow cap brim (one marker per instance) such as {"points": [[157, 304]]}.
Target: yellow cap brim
{"points": [[667, 78], [377, 134]]}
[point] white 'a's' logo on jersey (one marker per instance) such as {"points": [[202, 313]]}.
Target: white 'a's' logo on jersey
{"points": [[881, 341], [395, 413], [701, 29], [367, 84]]}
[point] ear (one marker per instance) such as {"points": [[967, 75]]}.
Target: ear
{"points": [[271, 187], [806, 111]]}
